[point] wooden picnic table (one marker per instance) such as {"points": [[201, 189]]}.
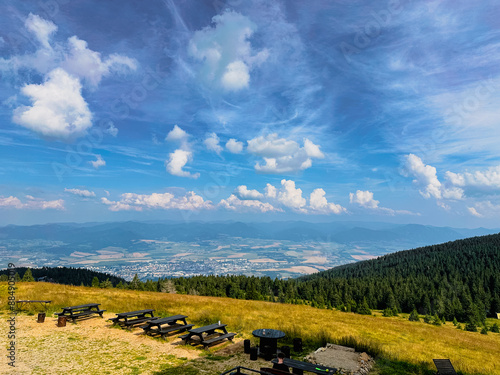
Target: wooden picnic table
{"points": [[164, 326], [131, 318], [208, 335], [268, 345], [81, 311], [300, 366]]}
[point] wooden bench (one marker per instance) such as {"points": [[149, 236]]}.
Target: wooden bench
{"points": [[444, 367], [273, 371], [134, 322], [207, 342], [306, 366]]}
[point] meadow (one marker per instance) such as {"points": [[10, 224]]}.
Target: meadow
{"points": [[393, 339]]}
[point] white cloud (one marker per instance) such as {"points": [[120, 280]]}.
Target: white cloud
{"points": [[177, 134], [58, 108], [235, 204], [31, 203], [364, 199], [164, 201], [318, 202], [474, 212], [112, 130], [41, 28], [99, 162], [87, 64], [270, 191], [425, 176], [282, 155], [81, 193], [291, 197], [236, 76], [234, 146], [225, 52], [177, 160], [489, 179], [243, 193], [212, 143], [312, 150]]}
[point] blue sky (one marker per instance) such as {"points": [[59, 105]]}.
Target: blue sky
{"points": [[250, 110]]}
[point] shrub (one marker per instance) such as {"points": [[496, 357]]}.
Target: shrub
{"points": [[495, 328], [484, 331], [414, 316]]}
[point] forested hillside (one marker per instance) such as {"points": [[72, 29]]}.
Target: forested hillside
{"points": [[459, 279], [64, 275]]}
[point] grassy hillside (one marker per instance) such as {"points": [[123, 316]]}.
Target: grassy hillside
{"points": [[395, 338]]}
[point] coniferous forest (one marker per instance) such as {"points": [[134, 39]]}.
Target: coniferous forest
{"points": [[455, 280]]}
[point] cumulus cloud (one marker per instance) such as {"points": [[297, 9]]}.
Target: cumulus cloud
{"points": [[58, 108], [99, 162], [177, 160], [243, 193], [235, 204], [270, 191], [425, 176], [318, 202], [40, 28], [282, 155], [212, 143], [225, 51], [165, 201], [365, 199], [80, 193], [488, 179], [234, 146], [290, 196], [177, 134], [279, 199], [82, 62], [31, 203]]}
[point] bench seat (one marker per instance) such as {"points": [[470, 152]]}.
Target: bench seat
{"points": [[228, 336], [136, 321], [174, 328]]}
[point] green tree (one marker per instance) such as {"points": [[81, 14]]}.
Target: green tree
{"points": [[28, 276], [414, 316], [106, 284], [95, 282], [364, 309]]}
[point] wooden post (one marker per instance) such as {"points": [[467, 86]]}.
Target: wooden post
{"points": [[41, 317], [61, 321]]}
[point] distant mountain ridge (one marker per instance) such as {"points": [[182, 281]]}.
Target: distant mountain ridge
{"points": [[123, 233]]}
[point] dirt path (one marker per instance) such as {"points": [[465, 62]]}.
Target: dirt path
{"points": [[88, 347]]}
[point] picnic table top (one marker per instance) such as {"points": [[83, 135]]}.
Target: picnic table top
{"points": [[210, 327], [168, 319], [31, 300], [306, 366], [268, 333], [81, 306], [133, 313]]}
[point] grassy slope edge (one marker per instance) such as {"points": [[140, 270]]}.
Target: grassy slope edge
{"points": [[396, 339]]}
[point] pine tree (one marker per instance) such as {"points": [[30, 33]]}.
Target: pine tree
{"points": [[28, 276], [364, 309], [95, 282], [414, 316]]}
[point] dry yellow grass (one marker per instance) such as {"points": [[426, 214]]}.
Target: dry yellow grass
{"points": [[398, 338]]}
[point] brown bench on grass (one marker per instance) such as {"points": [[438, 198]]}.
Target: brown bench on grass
{"points": [[444, 367]]}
